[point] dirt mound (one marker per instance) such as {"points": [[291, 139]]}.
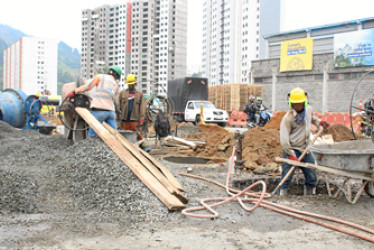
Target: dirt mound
{"points": [[212, 128], [340, 132], [219, 142], [276, 120], [260, 147]]}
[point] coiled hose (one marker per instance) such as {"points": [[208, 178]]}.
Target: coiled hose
{"points": [[258, 200]]}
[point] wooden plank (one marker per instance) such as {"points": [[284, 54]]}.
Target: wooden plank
{"points": [[180, 140], [158, 170], [171, 202], [168, 151], [152, 169], [327, 169], [174, 145]]}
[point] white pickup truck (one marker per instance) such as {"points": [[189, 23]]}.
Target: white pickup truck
{"points": [[210, 112]]}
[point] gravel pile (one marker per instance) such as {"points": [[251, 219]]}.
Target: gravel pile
{"points": [[84, 181]]}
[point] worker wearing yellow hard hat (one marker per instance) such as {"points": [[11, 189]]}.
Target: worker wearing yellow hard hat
{"points": [[131, 103], [294, 138], [297, 95], [131, 79]]}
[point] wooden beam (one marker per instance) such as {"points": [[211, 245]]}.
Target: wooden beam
{"points": [[147, 164], [185, 142], [171, 202], [327, 169]]}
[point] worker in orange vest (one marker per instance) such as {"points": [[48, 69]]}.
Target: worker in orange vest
{"points": [[105, 89]]}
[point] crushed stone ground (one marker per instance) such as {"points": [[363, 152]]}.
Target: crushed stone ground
{"points": [[47, 174], [57, 195]]}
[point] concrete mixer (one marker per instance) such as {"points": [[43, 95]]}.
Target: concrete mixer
{"points": [[22, 111]]}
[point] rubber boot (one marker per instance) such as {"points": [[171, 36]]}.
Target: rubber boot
{"points": [[309, 190], [283, 192]]}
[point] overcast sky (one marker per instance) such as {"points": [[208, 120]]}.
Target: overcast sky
{"points": [[62, 19]]}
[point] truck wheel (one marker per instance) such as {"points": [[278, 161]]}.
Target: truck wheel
{"points": [[222, 124], [197, 120], [369, 188]]}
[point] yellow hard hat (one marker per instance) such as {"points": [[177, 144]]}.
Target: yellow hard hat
{"points": [[130, 79], [297, 95], [37, 94]]}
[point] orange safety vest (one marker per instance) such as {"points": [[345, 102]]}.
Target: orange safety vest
{"points": [[103, 96]]}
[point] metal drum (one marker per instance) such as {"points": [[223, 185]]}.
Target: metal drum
{"points": [[12, 108]]}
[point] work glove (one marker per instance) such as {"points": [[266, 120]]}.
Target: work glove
{"points": [[293, 158], [324, 124], [70, 94], [141, 121]]}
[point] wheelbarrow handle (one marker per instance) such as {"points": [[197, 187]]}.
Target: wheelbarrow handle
{"points": [[300, 158]]}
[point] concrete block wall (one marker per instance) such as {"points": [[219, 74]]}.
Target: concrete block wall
{"points": [[340, 84]]}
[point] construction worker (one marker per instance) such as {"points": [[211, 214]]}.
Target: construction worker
{"points": [[131, 104], [249, 110], [258, 107], [294, 138], [367, 118], [105, 89]]}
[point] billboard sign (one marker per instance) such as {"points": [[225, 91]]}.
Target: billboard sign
{"points": [[354, 49], [296, 55]]}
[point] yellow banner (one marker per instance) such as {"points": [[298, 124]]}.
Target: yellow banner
{"points": [[296, 55]]}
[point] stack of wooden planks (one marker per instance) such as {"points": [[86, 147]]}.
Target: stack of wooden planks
{"points": [[154, 175], [172, 145], [232, 97]]}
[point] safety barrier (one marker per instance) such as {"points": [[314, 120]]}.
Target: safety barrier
{"points": [[341, 118], [238, 119]]}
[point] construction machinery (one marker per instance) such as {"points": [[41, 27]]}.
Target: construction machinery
{"points": [[76, 129], [22, 111]]}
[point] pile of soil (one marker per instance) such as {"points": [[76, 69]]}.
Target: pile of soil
{"points": [[260, 148], [219, 142], [340, 132], [276, 120]]}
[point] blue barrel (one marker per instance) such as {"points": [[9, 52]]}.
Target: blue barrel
{"points": [[12, 108]]}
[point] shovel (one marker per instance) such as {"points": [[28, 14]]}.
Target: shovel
{"points": [[300, 158]]}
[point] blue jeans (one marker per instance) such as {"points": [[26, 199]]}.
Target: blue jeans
{"points": [[310, 174], [251, 117], [103, 116]]}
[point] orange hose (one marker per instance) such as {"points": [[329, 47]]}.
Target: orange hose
{"points": [[235, 195]]}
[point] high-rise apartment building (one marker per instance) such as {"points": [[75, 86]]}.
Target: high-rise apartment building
{"points": [[233, 36], [104, 39], [31, 65], [145, 37]]}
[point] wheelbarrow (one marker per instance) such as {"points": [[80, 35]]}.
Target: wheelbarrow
{"points": [[350, 159]]}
